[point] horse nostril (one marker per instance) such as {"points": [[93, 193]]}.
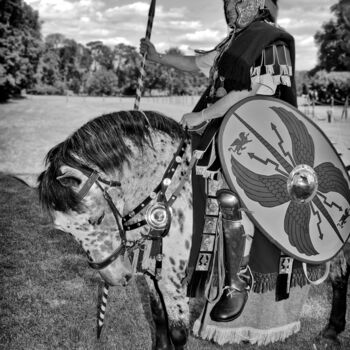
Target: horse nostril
{"points": [[93, 221], [126, 278]]}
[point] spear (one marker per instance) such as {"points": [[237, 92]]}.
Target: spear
{"points": [[101, 315], [103, 304], [142, 69]]}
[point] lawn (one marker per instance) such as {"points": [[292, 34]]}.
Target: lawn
{"points": [[48, 293]]}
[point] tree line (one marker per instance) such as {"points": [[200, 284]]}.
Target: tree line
{"points": [[331, 76], [57, 65]]}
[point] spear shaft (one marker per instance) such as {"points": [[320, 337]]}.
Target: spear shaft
{"points": [[103, 305], [104, 298], [143, 64]]}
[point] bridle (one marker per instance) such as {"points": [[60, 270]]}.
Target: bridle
{"points": [[159, 214]]}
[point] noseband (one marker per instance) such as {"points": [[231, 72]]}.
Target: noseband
{"points": [[158, 216]]}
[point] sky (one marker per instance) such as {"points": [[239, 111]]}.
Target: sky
{"points": [[186, 24]]}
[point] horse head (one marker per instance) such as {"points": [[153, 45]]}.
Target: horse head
{"points": [[98, 175], [89, 219]]}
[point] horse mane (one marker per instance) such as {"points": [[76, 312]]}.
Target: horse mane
{"points": [[100, 142]]}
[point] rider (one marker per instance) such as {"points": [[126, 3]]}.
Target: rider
{"points": [[256, 57]]}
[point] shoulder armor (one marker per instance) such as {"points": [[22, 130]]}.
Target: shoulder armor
{"points": [[275, 60]]}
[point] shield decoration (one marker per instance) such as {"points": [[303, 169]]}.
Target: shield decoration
{"points": [[288, 176]]}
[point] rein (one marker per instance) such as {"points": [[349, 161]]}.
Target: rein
{"points": [[158, 216]]}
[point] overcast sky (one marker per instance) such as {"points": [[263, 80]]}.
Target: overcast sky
{"points": [[187, 24]]}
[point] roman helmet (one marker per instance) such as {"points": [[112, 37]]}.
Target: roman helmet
{"points": [[240, 13]]}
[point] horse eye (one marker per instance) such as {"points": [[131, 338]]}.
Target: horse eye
{"points": [[69, 181]]}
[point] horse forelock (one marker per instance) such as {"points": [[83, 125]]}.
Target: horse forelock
{"points": [[101, 143], [52, 194]]}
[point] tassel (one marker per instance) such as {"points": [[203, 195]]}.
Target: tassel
{"points": [[103, 305], [284, 69], [269, 69], [255, 71]]}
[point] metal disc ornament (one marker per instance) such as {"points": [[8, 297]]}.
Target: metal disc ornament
{"points": [[158, 216], [289, 177]]}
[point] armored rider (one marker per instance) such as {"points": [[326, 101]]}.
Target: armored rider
{"points": [[256, 57]]}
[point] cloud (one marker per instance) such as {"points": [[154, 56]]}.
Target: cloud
{"points": [[303, 19], [200, 36], [184, 24], [135, 9]]}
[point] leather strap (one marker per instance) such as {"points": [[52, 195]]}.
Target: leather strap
{"points": [[320, 280], [218, 258]]}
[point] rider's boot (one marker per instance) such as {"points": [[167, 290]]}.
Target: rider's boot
{"points": [[238, 278]]}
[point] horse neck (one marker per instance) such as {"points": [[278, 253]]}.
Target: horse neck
{"points": [[146, 169]]}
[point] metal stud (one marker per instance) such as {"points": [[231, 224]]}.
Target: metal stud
{"points": [[159, 257], [166, 181]]}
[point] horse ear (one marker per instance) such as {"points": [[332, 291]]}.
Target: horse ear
{"points": [[70, 177]]}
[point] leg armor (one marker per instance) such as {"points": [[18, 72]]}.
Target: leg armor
{"points": [[237, 275]]}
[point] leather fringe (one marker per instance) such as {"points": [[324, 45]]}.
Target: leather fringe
{"points": [[265, 282], [252, 335]]}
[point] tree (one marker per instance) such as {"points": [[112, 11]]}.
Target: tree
{"points": [[54, 41], [20, 46], [64, 64], [102, 82], [126, 64], [48, 70], [173, 81], [102, 55], [334, 40]]}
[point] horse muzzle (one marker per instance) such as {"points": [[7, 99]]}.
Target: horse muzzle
{"points": [[119, 273]]}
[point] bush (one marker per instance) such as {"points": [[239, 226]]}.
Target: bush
{"points": [[327, 84], [102, 82], [43, 89]]}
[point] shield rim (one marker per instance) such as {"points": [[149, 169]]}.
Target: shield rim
{"points": [[225, 171]]}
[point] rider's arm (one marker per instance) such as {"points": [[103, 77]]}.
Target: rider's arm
{"points": [[184, 63], [220, 107], [217, 109]]}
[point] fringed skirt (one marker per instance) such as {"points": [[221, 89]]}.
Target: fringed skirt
{"points": [[263, 320]]}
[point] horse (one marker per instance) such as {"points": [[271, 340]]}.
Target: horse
{"points": [[339, 278], [96, 178], [94, 187]]}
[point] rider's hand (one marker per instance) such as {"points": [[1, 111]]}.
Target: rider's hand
{"points": [[147, 47], [190, 120]]}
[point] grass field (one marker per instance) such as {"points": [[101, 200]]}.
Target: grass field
{"points": [[48, 295]]}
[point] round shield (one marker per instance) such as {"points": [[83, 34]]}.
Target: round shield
{"points": [[288, 175]]}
